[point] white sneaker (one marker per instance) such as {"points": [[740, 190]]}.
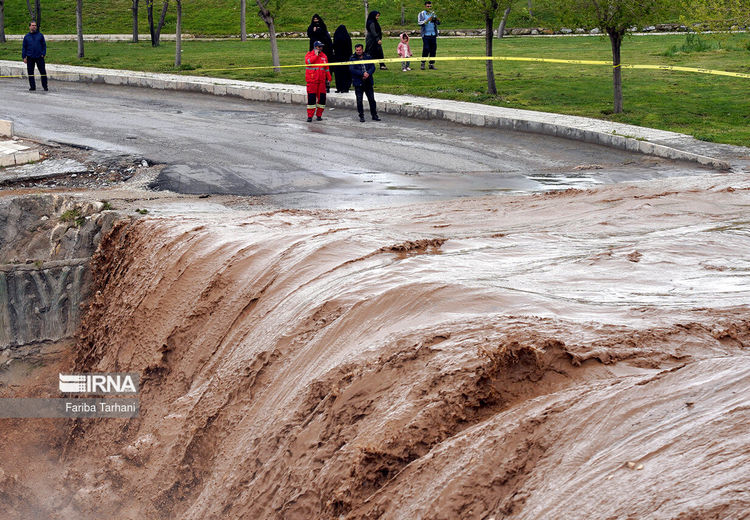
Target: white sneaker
{"points": [[408, 68]]}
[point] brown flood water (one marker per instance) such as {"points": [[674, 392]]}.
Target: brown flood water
{"points": [[581, 354]]}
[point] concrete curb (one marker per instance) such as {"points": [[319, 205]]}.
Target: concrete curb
{"points": [[11, 152], [615, 135]]}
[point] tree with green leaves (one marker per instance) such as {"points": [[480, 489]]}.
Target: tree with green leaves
{"points": [[613, 17], [488, 9], [717, 14]]}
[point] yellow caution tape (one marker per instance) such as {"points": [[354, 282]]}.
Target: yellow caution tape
{"points": [[458, 58]]}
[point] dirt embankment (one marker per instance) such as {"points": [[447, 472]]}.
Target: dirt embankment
{"points": [[505, 358]]}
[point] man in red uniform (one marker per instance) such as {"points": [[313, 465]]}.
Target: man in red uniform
{"points": [[316, 78]]}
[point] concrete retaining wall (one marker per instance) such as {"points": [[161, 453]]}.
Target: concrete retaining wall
{"points": [[41, 302]]}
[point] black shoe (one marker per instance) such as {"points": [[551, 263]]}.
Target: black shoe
{"points": [[46, 89], [32, 89], [422, 67], [319, 118], [309, 119], [361, 119], [383, 67], [432, 67], [375, 118]]}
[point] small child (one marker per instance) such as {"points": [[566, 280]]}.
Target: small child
{"points": [[404, 51]]}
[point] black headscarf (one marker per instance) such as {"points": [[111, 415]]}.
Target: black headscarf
{"points": [[342, 51], [371, 19], [342, 44], [322, 35]]}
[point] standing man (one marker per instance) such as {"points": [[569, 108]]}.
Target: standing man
{"points": [[363, 82], [428, 23], [33, 51], [316, 77]]}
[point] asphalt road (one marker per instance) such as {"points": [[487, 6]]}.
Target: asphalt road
{"points": [[231, 146]]}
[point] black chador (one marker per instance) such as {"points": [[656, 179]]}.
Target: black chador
{"points": [[342, 49]]}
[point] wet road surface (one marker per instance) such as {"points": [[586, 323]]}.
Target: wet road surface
{"points": [[232, 146]]}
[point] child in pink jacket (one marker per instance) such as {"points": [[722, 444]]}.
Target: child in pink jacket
{"points": [[404, 51]]}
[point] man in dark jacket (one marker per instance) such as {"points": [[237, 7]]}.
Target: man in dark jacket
{"points": [[33, 51], [363, 82]]}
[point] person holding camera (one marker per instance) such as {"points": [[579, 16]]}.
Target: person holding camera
{"points": [[318, 79], [428, 22]]}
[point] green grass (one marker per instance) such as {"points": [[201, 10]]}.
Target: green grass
{"points": [[221, 17], [712, 108]]}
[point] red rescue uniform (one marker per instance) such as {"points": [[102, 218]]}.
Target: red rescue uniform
{"points": [[316, 78]]}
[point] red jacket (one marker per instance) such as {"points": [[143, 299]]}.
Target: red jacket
{"points": [[314, 75]]}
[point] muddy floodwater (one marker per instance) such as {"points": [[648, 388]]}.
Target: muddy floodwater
{"points": [[579, 354]]}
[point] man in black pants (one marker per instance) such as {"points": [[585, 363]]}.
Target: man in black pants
{"points": [[33, 51], [428, 23], [363, 82]]}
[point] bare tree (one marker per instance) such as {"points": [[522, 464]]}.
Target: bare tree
{"points": [[36, 13], [2, 21], [155, 32], [178, 36], [79, 26], [161, 20], [488, 10], [367, 10], [267, 17], [150, 13], [503, 21], [135, 20], [243, 20]]}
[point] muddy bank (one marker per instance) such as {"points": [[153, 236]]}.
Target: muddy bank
{"points": [[581, 354]]}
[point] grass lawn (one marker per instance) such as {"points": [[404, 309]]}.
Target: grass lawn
{"points": [[711, 108]]}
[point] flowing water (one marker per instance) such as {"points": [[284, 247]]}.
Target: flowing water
{"points": [[577, 354]]}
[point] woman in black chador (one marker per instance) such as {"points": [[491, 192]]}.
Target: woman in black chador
{"points": [[342, 50], [318, 32], [374, 38]]}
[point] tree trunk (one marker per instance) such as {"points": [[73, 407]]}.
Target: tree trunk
{"points": [[31, 13], [178, 36], [403, 13], [161, 20], [615, 38], [2, 21], [267, 17], [135, 21], [501, 27], [150, 12], [489, 64], [243, 22], [367, 10], [79, 26], [530, 13], [38, 5]]}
